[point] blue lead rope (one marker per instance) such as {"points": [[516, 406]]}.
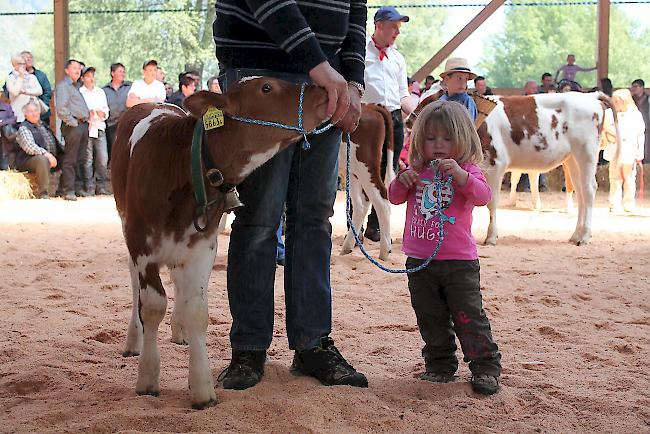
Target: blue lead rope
{"points": [[299, 127], [438, 184]]}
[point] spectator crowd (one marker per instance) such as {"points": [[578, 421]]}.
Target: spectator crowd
{"points": [[88, 116]]}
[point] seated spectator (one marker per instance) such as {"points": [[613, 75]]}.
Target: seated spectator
{"points": [[148, 89], [186, 87], [195, 76], [480, 87], [7, 131], [548, 85], [96, 153], [38, 148], [213, 85], [21, 86]]}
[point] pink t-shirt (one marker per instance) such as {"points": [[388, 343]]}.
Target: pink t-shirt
{"points": [[422, 221]]}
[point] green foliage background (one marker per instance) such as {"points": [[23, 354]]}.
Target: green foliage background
{"points": [[534, 39]]}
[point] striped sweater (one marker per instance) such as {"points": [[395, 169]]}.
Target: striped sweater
{"points": [[292, 36]]}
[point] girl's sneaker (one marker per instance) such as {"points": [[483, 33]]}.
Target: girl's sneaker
{"points": [[485, 384]]}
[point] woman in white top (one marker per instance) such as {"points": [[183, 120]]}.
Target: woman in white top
{"points": [[622, 176], [22, 86]]}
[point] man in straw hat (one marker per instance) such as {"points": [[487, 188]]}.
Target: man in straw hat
{"points": [[454, 80], [386, 84]]}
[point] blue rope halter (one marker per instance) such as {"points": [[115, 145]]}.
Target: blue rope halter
{"points": [[299, 127], [438, 184]]}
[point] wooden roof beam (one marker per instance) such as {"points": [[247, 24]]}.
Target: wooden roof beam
{"points": [[455, 42]]}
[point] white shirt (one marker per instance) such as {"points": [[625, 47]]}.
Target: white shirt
{"points": [[632, 129], [95, 100], [155, 90], [385, 80], [21, 91]]}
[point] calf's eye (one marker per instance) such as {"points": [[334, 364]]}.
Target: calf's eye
{"points": [[266, 88]]}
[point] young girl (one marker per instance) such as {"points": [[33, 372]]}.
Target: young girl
{"points": [[446, 295]]}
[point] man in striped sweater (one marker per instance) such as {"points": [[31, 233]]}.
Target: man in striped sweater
{"points": [[322, 42]]}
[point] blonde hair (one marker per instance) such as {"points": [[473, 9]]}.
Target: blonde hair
{"points": [[455, 119], [625, 96]]}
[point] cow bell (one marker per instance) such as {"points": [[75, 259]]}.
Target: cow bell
{"points": [[231, 201]]}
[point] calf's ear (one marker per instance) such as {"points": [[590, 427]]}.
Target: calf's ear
{"points": [[198, 103]]}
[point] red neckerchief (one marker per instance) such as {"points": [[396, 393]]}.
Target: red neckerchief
{"points": [[382, 51]]}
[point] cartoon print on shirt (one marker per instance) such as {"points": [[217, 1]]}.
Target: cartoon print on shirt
{"points": [[423, 225], [426, 198]]}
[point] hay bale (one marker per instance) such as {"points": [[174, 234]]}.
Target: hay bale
{"points": [[15, 185]]}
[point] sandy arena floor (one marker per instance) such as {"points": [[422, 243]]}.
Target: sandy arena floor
{"points": [[573, 324]]}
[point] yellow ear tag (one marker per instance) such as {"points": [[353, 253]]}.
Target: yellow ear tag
{"points": [[213, 118]]}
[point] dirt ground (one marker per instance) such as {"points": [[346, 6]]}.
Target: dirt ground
{"points": [[573, 325]]}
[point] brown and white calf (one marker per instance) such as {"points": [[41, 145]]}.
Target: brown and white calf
{"points": [[150, 173], [375, 131], [537, 133]]}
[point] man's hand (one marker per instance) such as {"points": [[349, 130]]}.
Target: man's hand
{"points": [[51, 159], [350, 121], [338, 95]]}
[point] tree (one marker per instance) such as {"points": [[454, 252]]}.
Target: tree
{"points": [[537, 40], [177, 40]]}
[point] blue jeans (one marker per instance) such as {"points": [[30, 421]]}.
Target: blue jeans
{"points": [[306, 181], [96, 155], [280, 253]]}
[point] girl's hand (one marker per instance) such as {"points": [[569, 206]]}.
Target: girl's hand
{"points": [[409, 178], [449, 167]]}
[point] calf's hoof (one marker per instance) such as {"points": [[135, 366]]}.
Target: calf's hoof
{"points": [[148, 391], [205, 404], [179, 341], [130, 353], [345, 251], [490, 242]]}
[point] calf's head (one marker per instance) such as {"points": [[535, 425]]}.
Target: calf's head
{"points": [[237, 148]]}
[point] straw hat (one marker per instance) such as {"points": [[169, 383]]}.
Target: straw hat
{"points": [[457, 64]]}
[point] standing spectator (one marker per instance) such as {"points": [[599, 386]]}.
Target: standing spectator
{"points": [[283, 42], [606, 86], [428, 82], [622, 173], [386, 84], [547, 84], [160, 73], [570, 69], [195, 76], [213, 85], [480, 86], [43, 81], [38, 149], [73, 112], [148, 89], [8, 130], [643, 104], [186, 87], [116, 93], [97, 152], [530, 88], [22, 86]]}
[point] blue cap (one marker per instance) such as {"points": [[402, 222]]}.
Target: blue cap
{"points": [[389, 13]]}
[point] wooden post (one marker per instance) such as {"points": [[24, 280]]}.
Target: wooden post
{"points": [[455, 42], [61, 50], [602, 50], [61, 37]]}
